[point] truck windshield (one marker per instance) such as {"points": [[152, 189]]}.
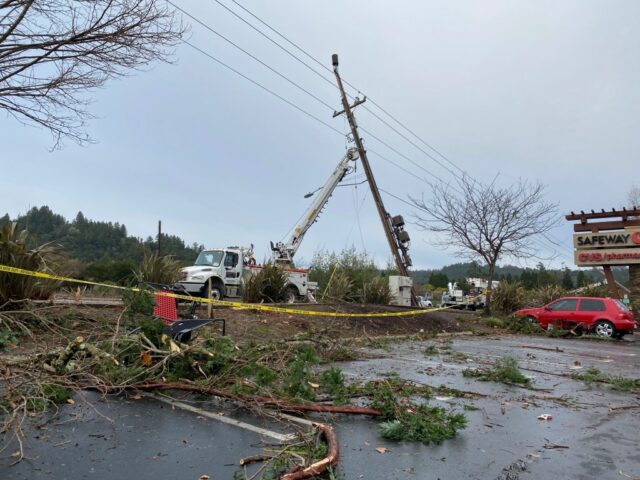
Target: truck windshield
{"points": [[211, 258]]}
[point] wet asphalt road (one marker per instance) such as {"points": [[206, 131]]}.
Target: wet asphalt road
{"points": [[147, 439]]}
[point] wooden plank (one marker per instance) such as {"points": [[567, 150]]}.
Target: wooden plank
{"points": [[584, 216], [599, 226]]}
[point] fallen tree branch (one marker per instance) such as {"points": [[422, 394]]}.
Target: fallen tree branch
{"points": [[280, 404], [319, 467], [255, 459]]}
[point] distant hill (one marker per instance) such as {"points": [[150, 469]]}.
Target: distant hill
{"points": [[92, 241]]}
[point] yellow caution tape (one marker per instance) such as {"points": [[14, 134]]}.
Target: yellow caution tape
{"points": [[248, 306]]}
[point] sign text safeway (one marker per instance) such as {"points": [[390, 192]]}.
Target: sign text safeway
{"points": [[618, 238]]}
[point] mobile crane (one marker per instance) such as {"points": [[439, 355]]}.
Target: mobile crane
{"points": [[223, 271]]}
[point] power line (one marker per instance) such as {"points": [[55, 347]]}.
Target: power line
{"points": [[415, 135], [235, 45], [274, 42], [291, 104], [300, 49], [257, 84], [323, 66], [396, 165], [410, 141], [397, 152], [398, 198], [212, 30]]}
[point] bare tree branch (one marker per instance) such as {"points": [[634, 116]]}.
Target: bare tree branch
{"points": [[488, 221], [53, 53]]}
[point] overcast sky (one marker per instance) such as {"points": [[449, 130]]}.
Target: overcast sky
{"points": [[540, 90]]}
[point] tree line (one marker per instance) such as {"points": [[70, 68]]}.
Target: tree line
{"points": [[96, 250], [530, 278]]}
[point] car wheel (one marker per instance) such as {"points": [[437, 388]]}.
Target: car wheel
{"points": [[604, 329], [532, 319]]}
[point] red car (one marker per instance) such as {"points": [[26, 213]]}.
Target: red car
{"points": [[605, 317]]}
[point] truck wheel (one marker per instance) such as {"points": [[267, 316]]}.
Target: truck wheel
{"points": [[290, 295], [217, 291]]}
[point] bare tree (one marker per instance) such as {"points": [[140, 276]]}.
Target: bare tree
{"points": [[485, 221], [54, 52], [633, 197]]}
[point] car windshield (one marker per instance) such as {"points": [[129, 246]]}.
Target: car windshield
{"points": [[622, 306], [211, 258]]}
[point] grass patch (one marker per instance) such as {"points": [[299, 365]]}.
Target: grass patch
{"points": [[7, 339], [523, 325], [504, 370], [430, 351], [494, 322], [618, 383]]}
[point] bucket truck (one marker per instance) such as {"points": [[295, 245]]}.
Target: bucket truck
{"points": [[227, 269]]}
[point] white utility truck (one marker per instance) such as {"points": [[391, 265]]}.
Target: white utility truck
{"points": [[227, 269], [456, 298]]}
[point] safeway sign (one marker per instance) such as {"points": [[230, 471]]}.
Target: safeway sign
{"points": [[615, 239], [620, 247]]}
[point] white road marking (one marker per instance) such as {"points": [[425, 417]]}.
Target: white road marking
{"points": [[224, 419]]}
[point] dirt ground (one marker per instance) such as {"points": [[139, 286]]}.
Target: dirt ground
{"points": [[256, 325], [253, 325]]}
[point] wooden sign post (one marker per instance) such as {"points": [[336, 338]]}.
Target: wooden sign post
{"points": [[607, 243]]}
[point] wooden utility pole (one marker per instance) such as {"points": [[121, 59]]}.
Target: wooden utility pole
{"points": [[159, 235], [397, 237]]}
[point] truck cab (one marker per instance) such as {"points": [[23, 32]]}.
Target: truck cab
{"points": [[223, 266]]}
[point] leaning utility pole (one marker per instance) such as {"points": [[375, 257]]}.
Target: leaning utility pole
{"points": [[397, 237]]}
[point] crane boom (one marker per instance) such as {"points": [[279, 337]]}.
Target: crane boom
{"points": [[283, 252]]}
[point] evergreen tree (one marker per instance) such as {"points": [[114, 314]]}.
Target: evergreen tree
{"points": [[529, 279], [582, 279], [567, 281], [438, 280]]}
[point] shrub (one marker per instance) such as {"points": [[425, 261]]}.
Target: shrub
{"points": [[14, 252], [594, 291], [141, 302], [544, 295], [268, 285], [158, 269], [494, 322], [508, 297], [350, 276], [339, 287], [376, 291], [116, 271], [523, 325]]}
